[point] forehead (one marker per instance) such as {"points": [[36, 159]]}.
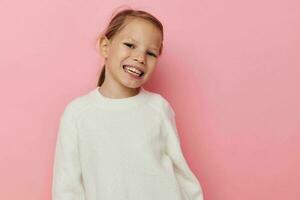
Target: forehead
{"points": [[141, 30]]}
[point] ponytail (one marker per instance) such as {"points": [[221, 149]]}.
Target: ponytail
{"points": [[101, 77]]}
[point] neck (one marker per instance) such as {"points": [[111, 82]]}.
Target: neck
{"points": [[117, 92]]}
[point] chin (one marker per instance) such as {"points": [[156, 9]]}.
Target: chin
{"points": [[131, 83], [133, 86]]}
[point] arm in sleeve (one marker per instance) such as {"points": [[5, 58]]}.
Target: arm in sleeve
{"points": [[191, 188], [67, 180]]}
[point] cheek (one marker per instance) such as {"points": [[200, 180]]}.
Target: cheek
{"points": [[114, 57], [152, 65], [152, 62], [116, 51]]}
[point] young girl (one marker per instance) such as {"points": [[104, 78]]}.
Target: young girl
{"points": [[119, 141]]}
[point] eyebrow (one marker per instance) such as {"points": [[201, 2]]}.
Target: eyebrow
{"points": [[153, 48]]}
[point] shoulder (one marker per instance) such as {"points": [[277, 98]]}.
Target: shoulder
{"points": [[76, 106], [161, 104]]}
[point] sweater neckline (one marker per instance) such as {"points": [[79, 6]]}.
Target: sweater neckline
{"points": [[119, 103]]}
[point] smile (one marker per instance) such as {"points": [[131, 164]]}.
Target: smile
{"points": [[133, 71]]}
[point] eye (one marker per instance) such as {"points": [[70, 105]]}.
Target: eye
{"points": [[132, 46], [129, 45], [152, 54]]}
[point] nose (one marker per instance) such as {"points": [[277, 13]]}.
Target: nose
{"points": [[139, 57]]}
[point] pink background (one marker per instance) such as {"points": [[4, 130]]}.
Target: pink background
{"points": [[229, 68]]}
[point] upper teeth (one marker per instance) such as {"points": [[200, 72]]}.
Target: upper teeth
{"points": [[133, 69]]}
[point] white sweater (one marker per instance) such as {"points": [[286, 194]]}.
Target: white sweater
{"points": [[121, 149]]}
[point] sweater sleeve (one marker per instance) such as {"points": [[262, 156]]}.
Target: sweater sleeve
{"points": [[190, 187], [67, 181]]}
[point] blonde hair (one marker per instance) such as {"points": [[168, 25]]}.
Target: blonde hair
{"points": [[117, 23]]}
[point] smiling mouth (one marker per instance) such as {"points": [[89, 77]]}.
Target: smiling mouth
{"points": [[128, 70]]}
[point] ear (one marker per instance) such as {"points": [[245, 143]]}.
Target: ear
{"points": [[104, 46]]}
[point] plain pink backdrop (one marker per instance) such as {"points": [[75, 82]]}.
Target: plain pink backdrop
{"points": [[229, 68]]}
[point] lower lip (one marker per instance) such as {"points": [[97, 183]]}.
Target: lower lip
{"points": [[132, 76]]}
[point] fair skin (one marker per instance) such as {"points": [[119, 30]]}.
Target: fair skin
{"points": [[136, 44]]}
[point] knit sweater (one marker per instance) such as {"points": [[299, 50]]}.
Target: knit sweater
{"points": [[121, 149]]}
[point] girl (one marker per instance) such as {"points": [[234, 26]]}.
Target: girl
{"points": [[119, 141]]}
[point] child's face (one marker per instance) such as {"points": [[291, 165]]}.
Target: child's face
{"points": [[137, 44]]}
